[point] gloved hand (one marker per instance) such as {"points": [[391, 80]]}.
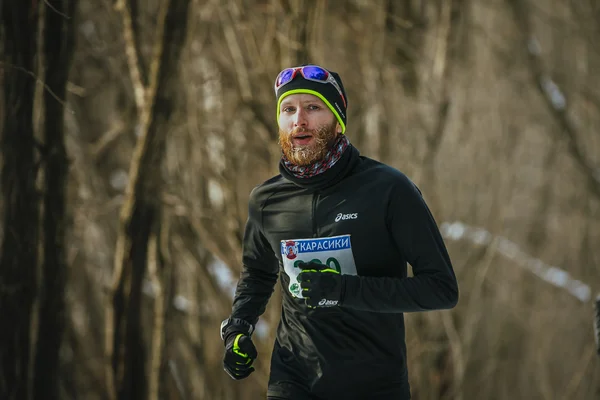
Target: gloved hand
{"points": [[240, 353], [321, 285]]}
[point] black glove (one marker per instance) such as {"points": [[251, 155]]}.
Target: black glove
{"points": [[321, 285], [240, 353]]}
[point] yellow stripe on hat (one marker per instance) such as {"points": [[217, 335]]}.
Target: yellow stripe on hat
{"points": [[319, 95]]}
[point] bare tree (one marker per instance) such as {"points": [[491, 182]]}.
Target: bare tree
{"points": [[141, 212], [58, 48], [19, 252]]}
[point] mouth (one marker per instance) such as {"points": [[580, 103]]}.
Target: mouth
{"points": [[302, 139]]}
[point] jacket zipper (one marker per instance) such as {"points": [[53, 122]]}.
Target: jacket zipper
{"points": [[314, 213]]}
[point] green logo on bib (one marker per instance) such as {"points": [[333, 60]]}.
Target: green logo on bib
{"points": [[295, 289]]}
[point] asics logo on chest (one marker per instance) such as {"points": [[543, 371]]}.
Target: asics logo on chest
{"points": [[343, 217]]}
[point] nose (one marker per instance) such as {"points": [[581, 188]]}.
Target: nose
{"points": [[300, 117]]}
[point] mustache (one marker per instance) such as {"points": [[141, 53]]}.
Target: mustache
{"points": [[302, 129]]}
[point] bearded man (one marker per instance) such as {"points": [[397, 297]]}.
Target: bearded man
{"points": [[339, 229]]}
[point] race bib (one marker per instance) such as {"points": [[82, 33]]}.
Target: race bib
{"points": [[335, 252]]}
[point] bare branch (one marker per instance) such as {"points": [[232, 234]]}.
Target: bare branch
{"points": [[139, 89], [100, 146], [235, 49], [159, 320], [50, 6], [553, 96], [39, 81]]}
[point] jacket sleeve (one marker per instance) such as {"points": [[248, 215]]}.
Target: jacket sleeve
{"points": [[433, 285], [259, 268]]}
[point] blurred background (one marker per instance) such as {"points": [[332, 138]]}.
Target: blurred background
{"points": [[133, 131]]}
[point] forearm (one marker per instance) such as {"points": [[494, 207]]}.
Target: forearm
{"points": [[395, 295], [420, 244], [253, 291]]}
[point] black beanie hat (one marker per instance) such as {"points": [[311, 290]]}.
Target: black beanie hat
{"points": [[325, 91]]}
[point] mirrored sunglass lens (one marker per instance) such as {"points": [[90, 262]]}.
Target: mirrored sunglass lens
{"points": [[284, 76], [313, 72]]}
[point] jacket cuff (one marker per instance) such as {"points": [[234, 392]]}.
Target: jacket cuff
{"points": [[235, 325]]}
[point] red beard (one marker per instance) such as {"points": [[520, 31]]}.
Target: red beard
{"points": [[323, 138]]}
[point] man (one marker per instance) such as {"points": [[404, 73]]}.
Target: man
{"points": [[339, 229]]}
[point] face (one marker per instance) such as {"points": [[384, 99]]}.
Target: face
{"points": [[307, 128]]}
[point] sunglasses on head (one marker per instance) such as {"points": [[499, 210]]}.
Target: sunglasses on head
{"points": [[309, 72]]}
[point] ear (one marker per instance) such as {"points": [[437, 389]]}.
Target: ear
{"points": [[338, 128]]}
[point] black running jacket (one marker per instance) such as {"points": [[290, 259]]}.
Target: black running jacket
{"points": [[368, 220]]}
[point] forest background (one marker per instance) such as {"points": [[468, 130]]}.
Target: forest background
{"points": [[133, 131]]}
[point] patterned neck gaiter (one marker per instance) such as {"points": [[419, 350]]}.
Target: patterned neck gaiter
{"points": [[332, 156]]}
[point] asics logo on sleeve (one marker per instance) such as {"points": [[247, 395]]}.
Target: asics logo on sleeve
{"points": [[343, 217]]}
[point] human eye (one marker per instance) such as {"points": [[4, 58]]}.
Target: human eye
{"points": [[287, 109], [314, 107]]}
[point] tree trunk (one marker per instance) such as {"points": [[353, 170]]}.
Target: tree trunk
{"points": [[18, 258], [142, 210], [58, 52]]}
